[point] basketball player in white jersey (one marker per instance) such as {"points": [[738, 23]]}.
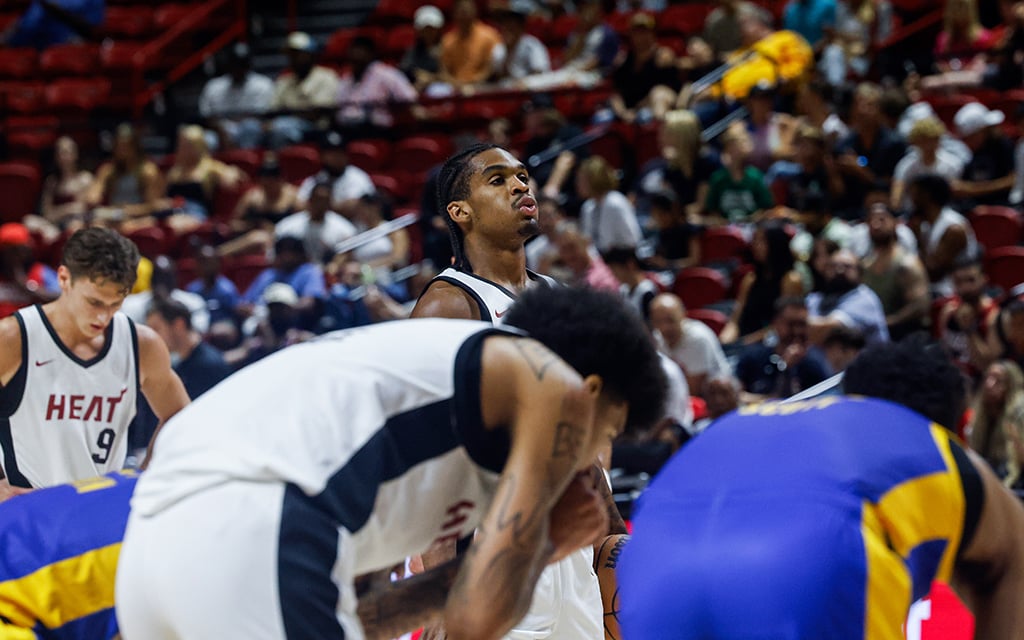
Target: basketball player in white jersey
{"points": [[344, 455], [491, 213], [70, 371]]}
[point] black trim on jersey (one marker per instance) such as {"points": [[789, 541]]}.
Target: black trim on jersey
{"points": [[11, 395], [485, 312], [135, 353], [405, 440], [974, 494], [307, 550], [487, 448], [108, 339]]}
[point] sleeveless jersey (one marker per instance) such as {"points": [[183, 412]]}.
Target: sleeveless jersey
{"points": [[58, 558], [379, 427], [492, 299], [823, 518], [63, 418]]}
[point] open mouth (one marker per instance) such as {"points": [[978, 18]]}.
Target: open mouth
{"points": [[527, 205]]}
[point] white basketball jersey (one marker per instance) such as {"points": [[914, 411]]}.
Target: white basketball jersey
{"points": [[63, 418], [492, 299], [379, 426]]}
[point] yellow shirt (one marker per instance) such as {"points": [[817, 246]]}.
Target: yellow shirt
{"points": [[469, 59], [781, 57]]}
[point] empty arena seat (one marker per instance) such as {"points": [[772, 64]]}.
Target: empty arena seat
{"points": [[298, 162], [248, 160], [18, 63], [996, 226], [699, 286], [1005, 267], [69, 60], [128, 22], [151, 241], [714, 319], [77, 94], [242, 270], [20, 183], [369, 155], [420, 153], [721, 244]]}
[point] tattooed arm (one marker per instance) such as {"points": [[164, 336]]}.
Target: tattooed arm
{"points": [[550, 412], [405, 605]]}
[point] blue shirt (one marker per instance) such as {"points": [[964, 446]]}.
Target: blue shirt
{"points": [[809, 18], [307, 280], [858, 308], [221, 298]]}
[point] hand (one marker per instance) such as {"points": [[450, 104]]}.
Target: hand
{"points": [[7, 491], [579, 517], [965, 316], [794, 354]]}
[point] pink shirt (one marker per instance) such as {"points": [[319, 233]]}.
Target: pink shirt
{"points": [[368, 98], [599, 276]]}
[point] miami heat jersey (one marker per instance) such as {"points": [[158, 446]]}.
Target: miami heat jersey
{"points": [[63, 418], [492, 299], [379, 427]]}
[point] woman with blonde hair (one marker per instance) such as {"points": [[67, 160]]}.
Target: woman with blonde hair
{"points": [[128, 186], [684, 165], [607, 217], [962, 43], [996, 431], [925, 156], [195, 175]]}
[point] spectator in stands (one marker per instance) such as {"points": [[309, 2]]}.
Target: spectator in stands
{"points": [[519, 54], [307, 90], [690, 343], [541, 251], [645, 80], [23, 281], [280, 327], [989, 176], [815, 104], [368, 90], [50, 22], [269, 201], [860, 242], [677, 244], [816, 260], [684, 165], [845, 301], [859, 25], [579, 262], [194, 178], [736, 193], [925, 156], [607, 216], [199, 365], [422, 63], [964, 321], [594, 43], [383, 254], [812, 19], [963, 42], [771, 132], [545, 129], [722, 395], [896, 276], [232, 103], [784, 363], [346, 303], [637, 288], [220, 293], [319, 228], [870, 152], [996, 431], [62, 206], [466, 50], [163, 285], [722, 27], [129, 186], [841, 346], [774, 276], [291, 266], [1017, 191], [348, 182], [810, 184], [943, 235]]}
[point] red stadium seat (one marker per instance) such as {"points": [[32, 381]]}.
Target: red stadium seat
{"points": [[77, 94], [685, 19], [151, 241], [225, 199], [699, 286], [996, 226], [420, 153], [1005, 267], [388, 184], [18, 63], [720, 244], [248, 160], [31, 136], [714, 319], [119, 55], [369, 155], [244, 269], [399, 39], [128, 22], [946, 106], [20, 183], [168, 15], [69, 60], [561, 27], [298, 162], [394, 12]]}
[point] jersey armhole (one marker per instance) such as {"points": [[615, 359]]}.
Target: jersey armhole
{"points": [[485, 313], [12, 392], [974, 494], [135, 355]]}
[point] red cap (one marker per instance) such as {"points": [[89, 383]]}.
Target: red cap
{"points": [[14, 234]]}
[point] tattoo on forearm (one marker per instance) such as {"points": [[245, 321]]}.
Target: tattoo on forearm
{"points": [[536, 355], [400, 607], [615, 522]]}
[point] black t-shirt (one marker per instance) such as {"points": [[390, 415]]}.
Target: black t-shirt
{"points": [[634, 84], [993, 160]]}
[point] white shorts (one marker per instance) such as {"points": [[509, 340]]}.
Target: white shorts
{"points": [[240, 560], [566, 603]]}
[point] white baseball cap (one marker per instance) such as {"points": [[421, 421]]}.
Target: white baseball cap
{"points": [[428, 16], [280, 293], [300, 41], [973, 117]]}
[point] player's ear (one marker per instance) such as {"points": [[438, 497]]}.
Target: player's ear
{"points": [[63, 277], [459, 210], [593, 384]]}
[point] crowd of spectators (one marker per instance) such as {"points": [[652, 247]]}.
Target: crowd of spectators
{"points": [[854, 204]]}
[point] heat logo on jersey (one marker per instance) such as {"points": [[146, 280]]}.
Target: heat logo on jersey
{"points": [[82, 407]]}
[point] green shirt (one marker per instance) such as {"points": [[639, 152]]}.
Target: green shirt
{"points": [[736, 201]]}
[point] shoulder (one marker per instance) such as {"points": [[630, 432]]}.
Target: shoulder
{"points": [[445, 300], [10, 355], [153, 352]]}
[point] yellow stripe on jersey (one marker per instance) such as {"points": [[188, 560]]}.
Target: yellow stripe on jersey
{"points": [[954, 504], [9, 632], [51, 600], [888, 584]]}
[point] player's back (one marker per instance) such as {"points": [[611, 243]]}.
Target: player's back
{"points": [[58, 558], [836, 512], [359, 420]]}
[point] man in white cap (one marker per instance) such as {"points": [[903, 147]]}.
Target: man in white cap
{"points": [[422, 63], [304, 88], [988, 177]]}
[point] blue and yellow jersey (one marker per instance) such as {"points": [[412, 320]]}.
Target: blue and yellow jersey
{"points": [[825, 518], [58, 558]]}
